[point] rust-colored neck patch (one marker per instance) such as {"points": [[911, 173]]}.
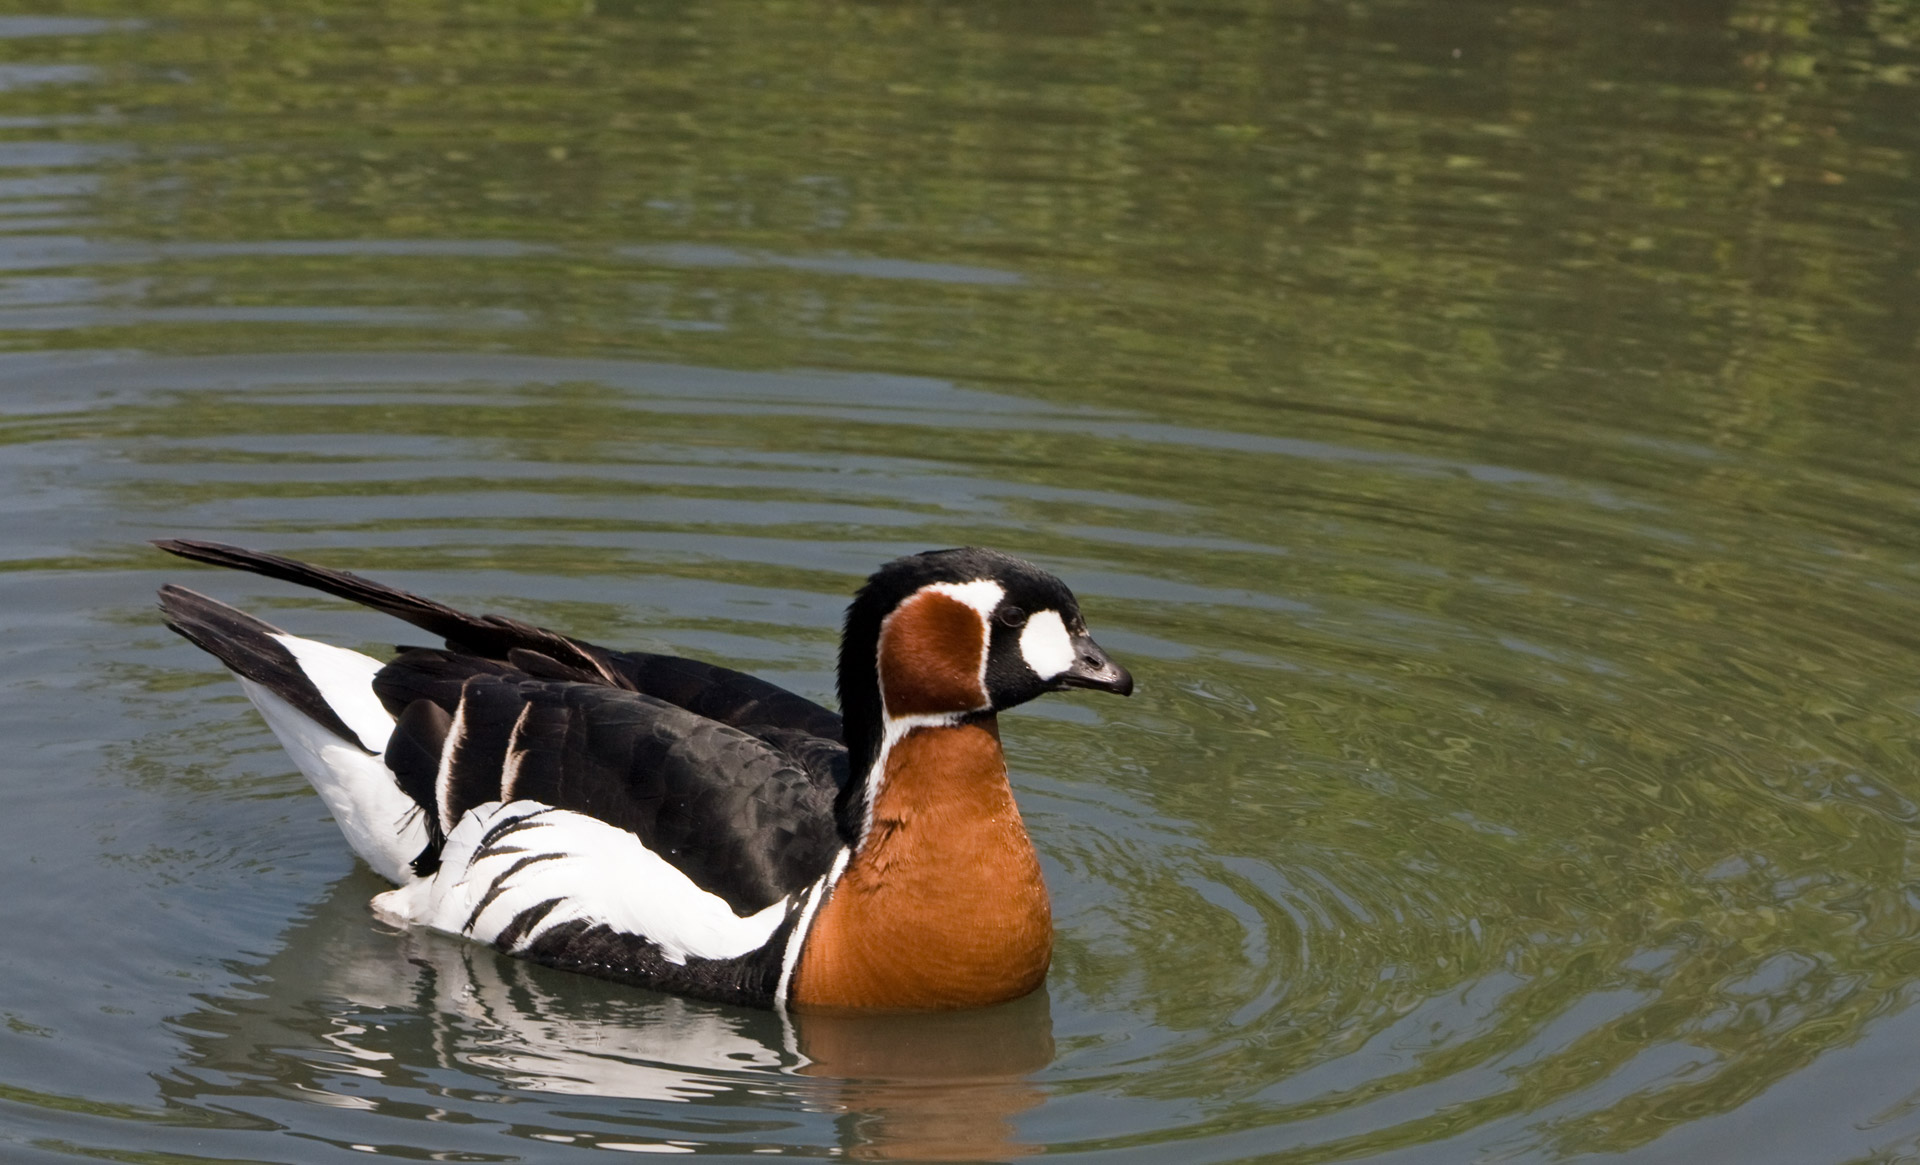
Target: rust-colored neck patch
{"points": [[943, 905], [931, 650]]}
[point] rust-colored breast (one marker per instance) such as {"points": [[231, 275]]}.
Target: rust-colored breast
{"points": [[931, 648], [944, 905]]}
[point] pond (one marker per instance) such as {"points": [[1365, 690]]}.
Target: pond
{"points": [[1487, 432]]}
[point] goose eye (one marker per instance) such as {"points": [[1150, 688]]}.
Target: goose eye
{"points": [[1012, 617]]}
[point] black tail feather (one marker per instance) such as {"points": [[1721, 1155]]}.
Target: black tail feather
{"points": [[491, 636], [422, 612], [248, 647]]}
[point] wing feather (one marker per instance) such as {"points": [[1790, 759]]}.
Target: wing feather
{"points": [[741, 816]]}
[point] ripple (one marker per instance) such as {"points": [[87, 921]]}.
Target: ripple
{"points": [[1494, 463]]}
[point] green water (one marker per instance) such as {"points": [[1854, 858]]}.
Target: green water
{"points": [[1486, 431]]}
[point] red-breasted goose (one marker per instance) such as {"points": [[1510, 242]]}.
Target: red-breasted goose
{"points": [[677, 825]]}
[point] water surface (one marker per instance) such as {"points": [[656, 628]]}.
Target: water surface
{"points": [[1486, 431]]}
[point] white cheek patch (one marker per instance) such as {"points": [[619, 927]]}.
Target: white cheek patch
{"points": [[1045, 645], [983, 594]]}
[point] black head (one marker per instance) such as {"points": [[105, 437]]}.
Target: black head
{"points": [[960, 631]]}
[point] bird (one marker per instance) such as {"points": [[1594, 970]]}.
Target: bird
{"points": [[676, 825]]}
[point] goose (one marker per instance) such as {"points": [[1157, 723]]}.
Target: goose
{"points": [[681, 826]]}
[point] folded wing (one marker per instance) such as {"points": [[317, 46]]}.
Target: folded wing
{"points": [[738, 815]]}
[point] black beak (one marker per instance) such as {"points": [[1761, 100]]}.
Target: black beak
{"points": [[1093, 668]]}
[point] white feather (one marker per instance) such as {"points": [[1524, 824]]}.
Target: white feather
{"points": [[381, 823], [443, 777], [600, 873], [345, 680], [516, 752]]}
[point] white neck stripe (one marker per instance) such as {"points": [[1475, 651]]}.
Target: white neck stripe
{"points": [[790, 958], [896, 730]]}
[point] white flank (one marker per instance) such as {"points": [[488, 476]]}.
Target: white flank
{"points": [[816, 894], [381, 823], [1045, 644], [345, 680], [601, 874]]}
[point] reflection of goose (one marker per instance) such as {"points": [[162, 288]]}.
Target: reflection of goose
{"points": [[349, 1014], [666, 1050], [674, 824], [516, 1029]]}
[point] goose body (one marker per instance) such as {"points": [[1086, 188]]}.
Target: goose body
{"points": [[678, 825]]}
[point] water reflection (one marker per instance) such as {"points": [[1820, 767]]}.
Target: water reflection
{"points": [[354, 1015], [941, 1087]]}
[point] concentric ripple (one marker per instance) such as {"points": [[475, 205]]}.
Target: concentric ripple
{"points": [[1485, 432]]}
